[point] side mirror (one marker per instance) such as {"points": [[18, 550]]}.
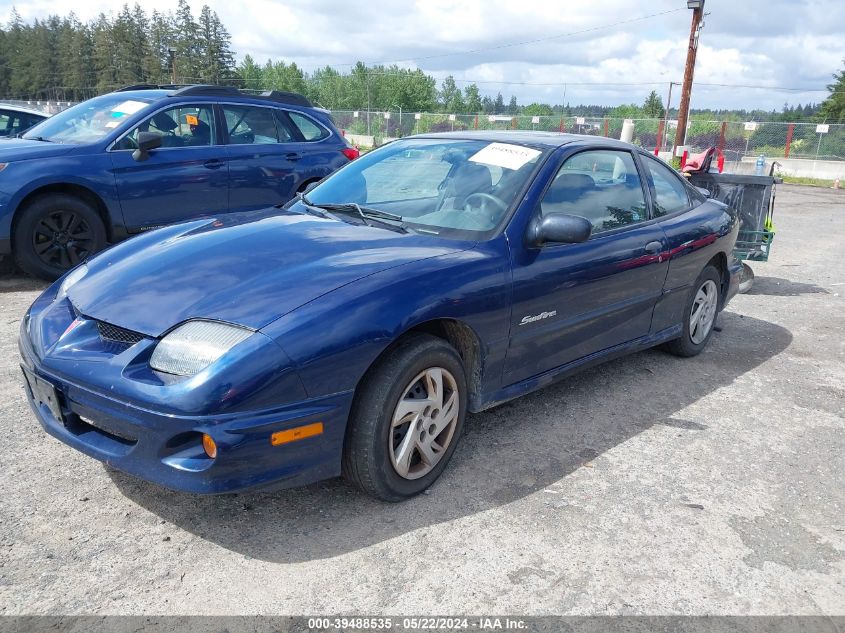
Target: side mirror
{"points": [[146, 141], [560, 228], [704, 192]]}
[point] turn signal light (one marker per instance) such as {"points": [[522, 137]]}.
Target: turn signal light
{"points": [[209, 446], [351, 152], [298, 433]]}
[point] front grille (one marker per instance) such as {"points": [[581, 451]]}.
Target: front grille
{"points": [[113, 334]]}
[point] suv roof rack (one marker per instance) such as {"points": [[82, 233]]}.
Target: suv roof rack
{"points": [[278, 96], [151, 87], [207, 90]]}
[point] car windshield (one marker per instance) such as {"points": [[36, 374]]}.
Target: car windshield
{"points": [[87, 122], [452, 187]]}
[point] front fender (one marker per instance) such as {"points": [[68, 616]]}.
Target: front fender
{"points": [[89, 171], [333, 340]]}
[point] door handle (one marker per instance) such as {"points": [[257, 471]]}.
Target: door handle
{"points": [[654, 247], [214, 163], [293, 156]]}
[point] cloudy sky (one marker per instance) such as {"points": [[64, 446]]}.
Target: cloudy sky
{"points": [[593, 51]]}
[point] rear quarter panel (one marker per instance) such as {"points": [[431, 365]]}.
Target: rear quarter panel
{"points": [[694, 238]]}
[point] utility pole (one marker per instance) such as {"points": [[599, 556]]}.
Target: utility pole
{"points": [[171, 52], [697, 7], [666, 117]]}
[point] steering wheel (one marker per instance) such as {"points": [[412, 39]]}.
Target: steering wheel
{"points": [[485, 198]]}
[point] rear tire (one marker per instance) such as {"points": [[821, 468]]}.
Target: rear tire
{"points": [[55, 233], [700, 314], [403, 428]]}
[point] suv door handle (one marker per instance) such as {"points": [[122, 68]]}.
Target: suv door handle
{"points": [[654, 247], [293, 155], [214, 163]]}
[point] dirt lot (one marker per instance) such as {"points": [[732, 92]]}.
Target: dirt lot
{"points": [[651, 485]]}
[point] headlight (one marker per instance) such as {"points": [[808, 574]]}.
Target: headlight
{"points": [[73, 277], [193, 346]]}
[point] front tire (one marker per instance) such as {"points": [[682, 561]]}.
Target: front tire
{"points": [[55, 233], [699, 315], [406, 419]]}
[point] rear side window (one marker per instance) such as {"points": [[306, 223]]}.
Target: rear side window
{"points": [[253, 126], [12, 122], [670, 194], [310, 130]]}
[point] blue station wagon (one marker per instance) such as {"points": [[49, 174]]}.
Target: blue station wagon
{"points": [[352, 330], [146, 156]]}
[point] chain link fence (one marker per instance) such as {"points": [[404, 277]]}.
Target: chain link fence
{"points": [[737, 139]]}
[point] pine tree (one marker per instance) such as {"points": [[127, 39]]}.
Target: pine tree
{"points": [[185, 41], [653, 106], [833, 108], [513, 106], [160, 38], [449, 97], [104, 55], [473, 99], [499, 104]]}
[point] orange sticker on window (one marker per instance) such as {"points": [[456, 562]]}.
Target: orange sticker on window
{"points": [[191, 119]]}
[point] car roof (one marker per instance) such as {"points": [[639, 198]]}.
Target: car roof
{"points": [[9, 106], [528, 137], [153, 95]]}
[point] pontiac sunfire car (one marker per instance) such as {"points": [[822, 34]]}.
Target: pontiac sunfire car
{"points": [[351, 331]]}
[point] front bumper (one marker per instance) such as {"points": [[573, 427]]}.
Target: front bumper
{"points": [[166, 449]]}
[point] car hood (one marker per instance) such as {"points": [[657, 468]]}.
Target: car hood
{"points": [[12, 149], [248, 269]]}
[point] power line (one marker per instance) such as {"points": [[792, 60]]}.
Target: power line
{"points": [[524, 42]]}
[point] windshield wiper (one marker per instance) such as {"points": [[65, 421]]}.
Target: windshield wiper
{"points": [[36, 138], [366, 214], [318, 211]]}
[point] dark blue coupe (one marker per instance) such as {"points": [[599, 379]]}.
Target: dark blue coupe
{"points": [[351, 330]]}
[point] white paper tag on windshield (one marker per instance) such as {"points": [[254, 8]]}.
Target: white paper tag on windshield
{"points": [[505, 155], [128, 107]]}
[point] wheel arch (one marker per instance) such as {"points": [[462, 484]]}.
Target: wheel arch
{"points": [[719, 261], [72, 189], [460, 336]]}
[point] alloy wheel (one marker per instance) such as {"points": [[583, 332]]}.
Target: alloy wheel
{"points": [[62, 239], [424, 423], [703, 312]]}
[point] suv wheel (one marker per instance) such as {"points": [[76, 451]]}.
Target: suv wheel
{"points": [[55, 233]]}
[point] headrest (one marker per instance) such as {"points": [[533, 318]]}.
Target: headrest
{"points": [[164, 122]]}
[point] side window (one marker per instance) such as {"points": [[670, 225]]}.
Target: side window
{"points": [[249, 125], [5, 124], [600, 185], [310, 130], [670, 193], [181, 126], [28, 120]]}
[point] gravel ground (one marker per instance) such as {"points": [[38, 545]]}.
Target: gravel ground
{"points": [[650, 485]]}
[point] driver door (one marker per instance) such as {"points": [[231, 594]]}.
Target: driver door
{"points": [[187, 177], [574, 300]]}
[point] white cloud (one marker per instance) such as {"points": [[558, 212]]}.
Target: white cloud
{"points": [[778, 43]]}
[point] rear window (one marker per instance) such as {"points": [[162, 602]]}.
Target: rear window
{"points": [[310, 130]]}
